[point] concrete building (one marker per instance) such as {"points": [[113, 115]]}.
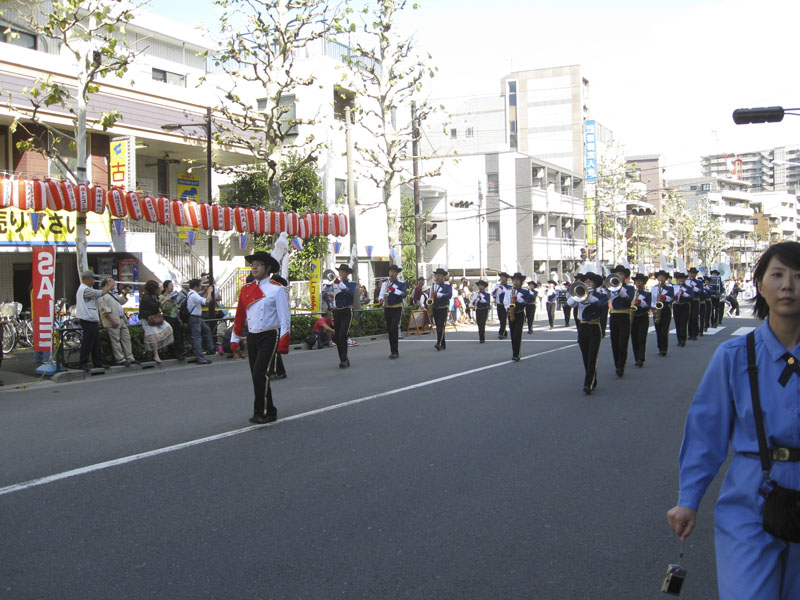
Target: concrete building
{"points": [[772, 170], [650, 170]]}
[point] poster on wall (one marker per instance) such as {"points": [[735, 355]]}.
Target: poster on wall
{"points": [[43, 291], [188, 188]]}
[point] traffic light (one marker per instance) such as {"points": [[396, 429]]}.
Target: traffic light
{"points": [[764, 114], [641, 212], [429, 235], [583, 253], [591, 254], [461, 204]]}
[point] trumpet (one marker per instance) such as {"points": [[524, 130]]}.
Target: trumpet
{"points": [[578, 291], [613, 283]]}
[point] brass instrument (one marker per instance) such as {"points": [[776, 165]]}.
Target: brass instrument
{"points": [[328, 276], [429, 302], [511, 312], [578, 291], [613, 283], [658, 307]]}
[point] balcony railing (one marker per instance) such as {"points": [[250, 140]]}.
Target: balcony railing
{"points": [[171, 247]]}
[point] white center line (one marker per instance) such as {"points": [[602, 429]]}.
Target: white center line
{"points": [[18, 487]]}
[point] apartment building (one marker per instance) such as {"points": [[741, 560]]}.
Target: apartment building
{"points": [[772, 170]]}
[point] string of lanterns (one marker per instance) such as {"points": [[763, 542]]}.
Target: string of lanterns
{"points": [[36, 195]]}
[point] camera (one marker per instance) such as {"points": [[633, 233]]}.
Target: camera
{"points": [[673, 580]]}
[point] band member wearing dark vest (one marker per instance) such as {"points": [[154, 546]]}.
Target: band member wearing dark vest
{"points": [[709, 307], [589, 328], [579, 277], [717, 305], [481, 301], [561, 301], [516, 299], [694, 305], [550, 299], [681, 307], [619, 321], [641, 319], [664, 293], [530, 306], [264, 307], [391, 296], [498, 293], [344, 293], [441, 293]]}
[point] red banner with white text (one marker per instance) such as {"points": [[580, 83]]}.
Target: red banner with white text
{"points": [[44, 276]]}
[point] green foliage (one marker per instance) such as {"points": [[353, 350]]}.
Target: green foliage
{"points": [[408, 237]]}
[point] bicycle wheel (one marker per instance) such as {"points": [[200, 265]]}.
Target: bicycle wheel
{"points": [[9, 338], [27, 331]]}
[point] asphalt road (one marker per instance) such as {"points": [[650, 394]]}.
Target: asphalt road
{"points": [[454, 474]]}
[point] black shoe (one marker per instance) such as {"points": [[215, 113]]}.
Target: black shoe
{"points": [[394, 355], [203, 361], [639, 363], [587, 390], [482, 342], [85, 367], [620, 372], [663, 353], [515, 358], [344, 365], [530, 331], [500, 337], [277, 376], [180, 358], [438, 347], [259, 420]]}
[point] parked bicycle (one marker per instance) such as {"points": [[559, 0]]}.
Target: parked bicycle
{"points": [[17, 326]]}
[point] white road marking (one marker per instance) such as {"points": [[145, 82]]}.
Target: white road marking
{"points": [[714, 330], [18, 487], [743, 330]]}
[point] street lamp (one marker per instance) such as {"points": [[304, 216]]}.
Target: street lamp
{"points": [[207, 125]]}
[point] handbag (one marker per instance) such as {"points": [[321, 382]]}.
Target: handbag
{"points": [[782, 505], [155, 319]]}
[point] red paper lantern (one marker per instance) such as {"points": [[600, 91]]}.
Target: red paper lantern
{"points": [[206, 216], [97, 199], [260, 221], [162, 210], [82, 190], [292, 223], [149, 210], [176, 213], [134, 204], [6, 192], [190, 212], [115, 198]]}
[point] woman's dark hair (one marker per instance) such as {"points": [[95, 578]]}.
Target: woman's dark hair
{"points": [[789, 253], [165, 285], [151, 287]]}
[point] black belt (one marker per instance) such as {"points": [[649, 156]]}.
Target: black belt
{"points": [[780, 454]]}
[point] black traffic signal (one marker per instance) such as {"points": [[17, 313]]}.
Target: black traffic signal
{"points": [[461, 204], [642, 211], [591, 253], [429, 235], [764, 114], [583, 253]]}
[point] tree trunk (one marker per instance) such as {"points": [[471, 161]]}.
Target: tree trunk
{"points": [[81, 143]]}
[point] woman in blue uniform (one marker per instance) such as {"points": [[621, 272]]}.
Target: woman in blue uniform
{"points": [[751, 563]]}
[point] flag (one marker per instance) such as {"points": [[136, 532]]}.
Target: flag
{"points": [[393, 255], [191, 235], [242, 242], [369, 250], [36, 220], [117, 227], [337, 246], [297, 243]]}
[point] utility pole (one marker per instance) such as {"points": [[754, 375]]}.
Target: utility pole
{"points": [[351, 202], [480, 228], [415, 171]]}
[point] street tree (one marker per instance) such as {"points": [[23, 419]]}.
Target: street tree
{"points": [[679, 223], [89, 33], [616, 189], [709, 239], [388, 74], [261, 42]]}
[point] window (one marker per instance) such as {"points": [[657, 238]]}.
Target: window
{"points": [[706, 187], [341, 191], [342, 99], [512, 93], [19, 38], [167, 77], [470, 132], [453, 134], [493, 183], [493, 231]]}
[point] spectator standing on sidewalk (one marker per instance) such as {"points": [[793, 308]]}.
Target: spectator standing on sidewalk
{"points": [[88, 312], [112, 315], [170, 299], [200, 331]]}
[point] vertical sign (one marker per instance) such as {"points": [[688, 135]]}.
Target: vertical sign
{"points": [[590, 156], [121, 164], [44, 271], [315, 285]]}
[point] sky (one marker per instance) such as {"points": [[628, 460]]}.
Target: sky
{"points": [[664, 75]]}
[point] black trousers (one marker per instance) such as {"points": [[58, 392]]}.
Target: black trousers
{"points": [[342, 317], [604, 320], [681, 311], [392, 316], [639, 327], [276, 366], [530, 314], [620, 326], [709, 311], [261, 352], [516, 331], [716, 311], [502, 316], [440, 319], [734, 302], [694, 319], [589, 335], [567, 313], [663, 327], [177, 334], [551, 313], [90, 344], [481, 315]]}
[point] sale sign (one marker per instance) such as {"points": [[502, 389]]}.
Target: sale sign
{"points": [[44, 277]]}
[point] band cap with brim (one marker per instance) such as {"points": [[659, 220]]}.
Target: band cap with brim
{"points": [[395, 268], [503, 274], [482, 282], [693, 270], [440, 271], [519, 276], [551, 281], [595, 278], [679, 275], [622, 269], [662, 272], [640, 277], [345, 267], [264, 257], [714, 271], [532, 282]]}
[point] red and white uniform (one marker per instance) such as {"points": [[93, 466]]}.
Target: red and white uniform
{"points": [[264, 305]]}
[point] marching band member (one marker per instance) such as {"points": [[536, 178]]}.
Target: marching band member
{"points": [[499, 295], [561, 301], [530, 307], [441, 293], [551, 296], [344, 293], [516, 298], [264, 307], [481, 301], [580, 278], [391, 296], [620, 318], [589, 328], [663, 292], [641, 319], [681, 307], [694, 312], [717, 305], [277, 370], [708, 309]]}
